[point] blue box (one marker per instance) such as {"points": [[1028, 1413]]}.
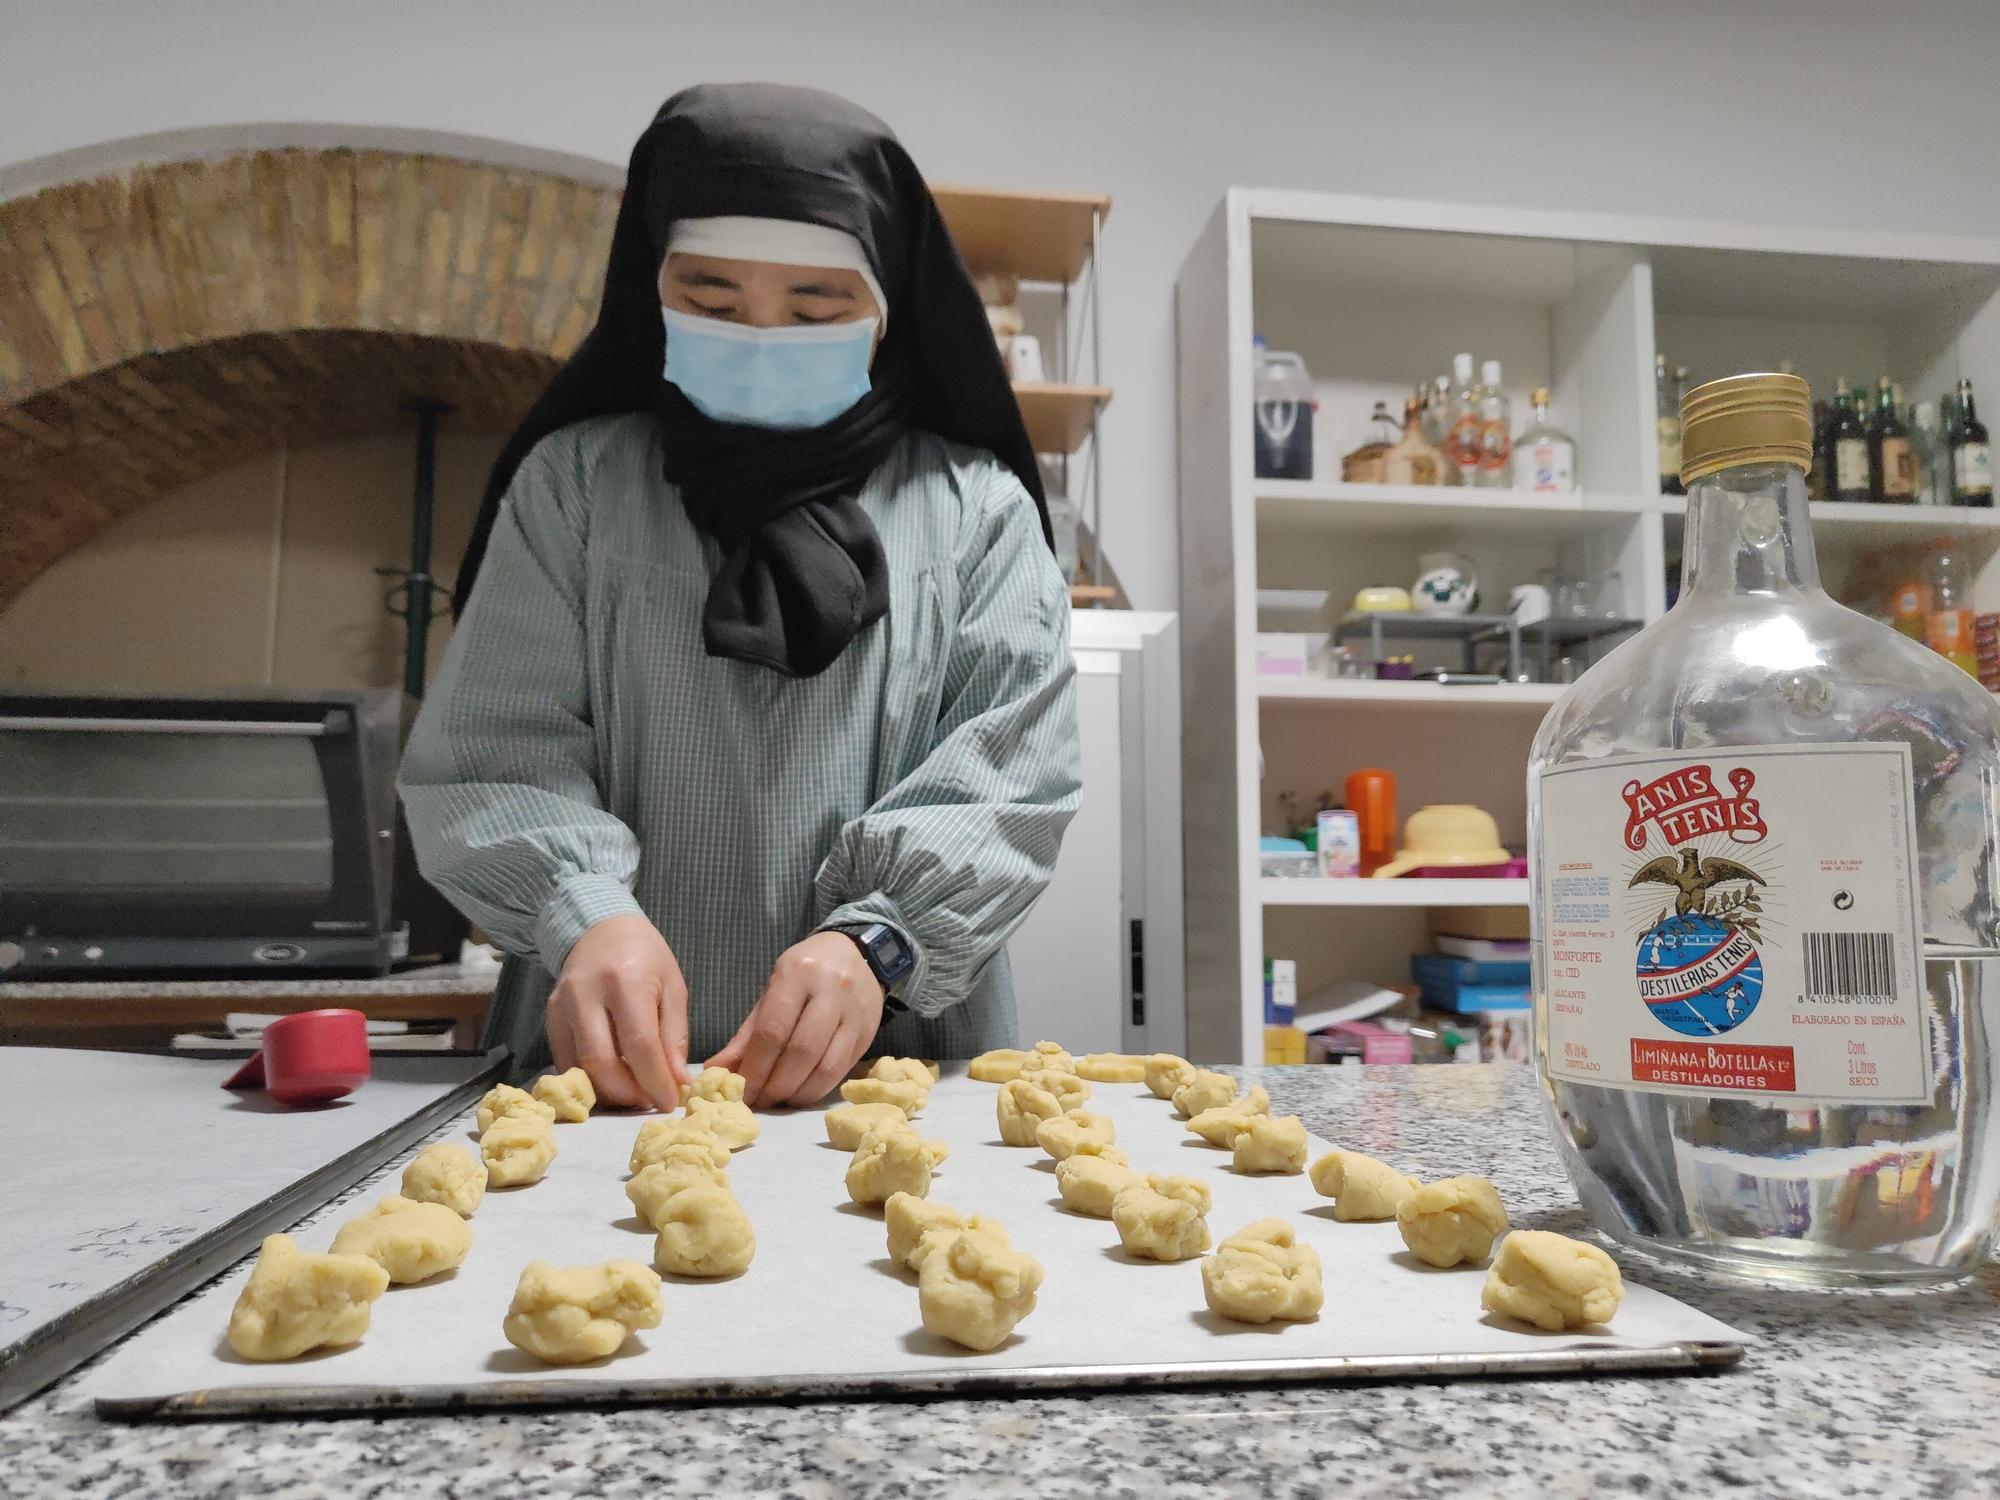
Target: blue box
{"points": [[1440, 969]]}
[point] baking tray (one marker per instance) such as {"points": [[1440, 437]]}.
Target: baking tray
{"points": [[823, 1314], [146, 1178]]}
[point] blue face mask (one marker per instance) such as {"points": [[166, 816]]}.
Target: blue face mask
{"points": [[768, 377]]}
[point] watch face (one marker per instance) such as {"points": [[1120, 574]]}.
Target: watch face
{"points": [[892, 956]]}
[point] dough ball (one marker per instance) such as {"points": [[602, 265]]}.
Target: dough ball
{"points": [[703, 1232], [911, 1069], [1002, 1065], [518, 1150], [1165, 1074], [1262, 1273], [1047, 1057], [1162, 1218], [447, 1174], [294, 1302], [1271, 1144], [910, 1218], [1362, 1188], [1022, 1107], [733, 1122], [504, 1102], [569, 1094], [846, 1124], [1111, 1067], [974, 1286], [657, 1137], [1103, 1149], [1452, 1222], [678, 1167], [905, 1093], [567, 1315], [1069, 1091], [1089, 1182], [1222, 1123], [411, 1241], [1061, 1136], [719, 1084], [1204, 1091], [1552, 1281], [897, 1160]]}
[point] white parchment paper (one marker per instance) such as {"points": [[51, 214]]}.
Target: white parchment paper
{"points": [[118, 1159], [823, 1300]]}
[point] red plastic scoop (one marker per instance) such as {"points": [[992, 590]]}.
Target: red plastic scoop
{"points": [[308, 1058]]}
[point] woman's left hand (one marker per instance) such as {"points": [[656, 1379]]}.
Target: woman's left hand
{"points": [[818, 1013]]}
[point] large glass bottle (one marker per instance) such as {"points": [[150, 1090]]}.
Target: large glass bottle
{"points": [[1762, 836]]}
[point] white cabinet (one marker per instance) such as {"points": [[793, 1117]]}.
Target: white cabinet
{"points": [[1377, 294], [1097, 964]]}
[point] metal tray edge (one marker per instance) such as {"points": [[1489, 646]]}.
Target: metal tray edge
{"points": [[52, 1351], [1687, 1357]]}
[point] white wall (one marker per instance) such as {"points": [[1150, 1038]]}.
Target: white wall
{"points": [[1824, 112]]}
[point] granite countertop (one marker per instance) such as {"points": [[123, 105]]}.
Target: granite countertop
{"points": [[436, 979], [1851, 1396]]}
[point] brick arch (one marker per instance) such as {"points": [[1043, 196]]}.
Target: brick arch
{"points": [[164, 322]]}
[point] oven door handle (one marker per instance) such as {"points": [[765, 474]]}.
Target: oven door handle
{"points": [[58, 723]]}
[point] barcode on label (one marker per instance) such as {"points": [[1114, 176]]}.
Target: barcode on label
{"points": [[1851, 965]]}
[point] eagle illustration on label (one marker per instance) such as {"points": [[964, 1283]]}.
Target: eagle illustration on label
{"points": [[1698, 968]]}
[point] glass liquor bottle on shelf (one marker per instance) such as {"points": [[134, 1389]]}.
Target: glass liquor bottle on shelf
{"points": [[1847, 478], [1892, 475], [1762, 844], [1927, 454], [1463, 425], [1496, 429], [1412, 459], [1971, 454], [1437, 410], [1668, 427], [1544, 455]]}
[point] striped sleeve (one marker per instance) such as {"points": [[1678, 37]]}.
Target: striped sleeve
{"points": [[501, 781], [957, 851]]}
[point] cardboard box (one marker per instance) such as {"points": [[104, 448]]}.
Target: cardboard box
{"points": [[1283, 1045], [1507, 923]]}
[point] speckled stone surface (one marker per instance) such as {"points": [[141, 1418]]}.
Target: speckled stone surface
{"points": [[1851, 1396], [437, 979]]}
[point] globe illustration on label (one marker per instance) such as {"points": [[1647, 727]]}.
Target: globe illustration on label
{"points": [[1699, 976]]}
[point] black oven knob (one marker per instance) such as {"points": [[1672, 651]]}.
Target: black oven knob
{"points": [[279, 953]]}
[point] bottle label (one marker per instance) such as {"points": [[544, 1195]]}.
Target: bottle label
{"points": [[1547, 468], [1850, 464], [1899, 472], [1463, 443], [1972, 469], [1948, 631], [1739, 924]]}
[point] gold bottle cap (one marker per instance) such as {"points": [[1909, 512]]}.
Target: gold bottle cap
{"points": [[1745, 419], [1539, 396]]}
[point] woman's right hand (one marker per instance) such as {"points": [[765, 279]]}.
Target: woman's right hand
{"points": [[619, 1011]]}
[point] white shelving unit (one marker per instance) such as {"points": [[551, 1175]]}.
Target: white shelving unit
{"points": [[1377, 294]]}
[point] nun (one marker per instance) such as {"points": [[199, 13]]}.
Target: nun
{"points": [[756, 736]]}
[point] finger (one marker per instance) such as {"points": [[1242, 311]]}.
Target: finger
{"points": [[599, 1055], [817, 1023], [771, 1023], [674, 1028], [732, 1050], [635, 1022], [847, 1044], [562, 1040]]}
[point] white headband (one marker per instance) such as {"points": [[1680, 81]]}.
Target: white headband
{"points": [[782, 242]]}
